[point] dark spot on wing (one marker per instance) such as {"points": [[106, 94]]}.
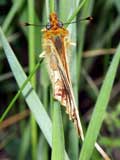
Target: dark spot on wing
{"points": [[58, 44]]}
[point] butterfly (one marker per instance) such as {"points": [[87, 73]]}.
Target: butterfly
{"points": [[56, 48]]}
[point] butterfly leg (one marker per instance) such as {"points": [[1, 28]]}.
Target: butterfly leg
{"points": [[72, 43], [42, 55]]}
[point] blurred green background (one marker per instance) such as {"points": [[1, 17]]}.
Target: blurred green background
{"points": [[96, 43]]}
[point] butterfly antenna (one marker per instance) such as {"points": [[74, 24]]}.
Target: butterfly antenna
{"points": [[30, 24], [90, 18]]}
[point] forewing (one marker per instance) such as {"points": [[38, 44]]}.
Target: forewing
{"points": [[59, 74]]}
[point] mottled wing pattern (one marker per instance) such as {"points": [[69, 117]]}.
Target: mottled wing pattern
{"points": [[60, 78], [57, 72]]}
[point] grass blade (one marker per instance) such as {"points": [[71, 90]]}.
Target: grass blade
{"points": [[52, 6], [100, 108], [24, 143], [19, 92], [31, 45], [16, 6], [76, 11], [58, 134]]}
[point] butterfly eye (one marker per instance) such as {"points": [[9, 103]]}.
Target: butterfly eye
{"points": [[48, 26], [60, 24]]}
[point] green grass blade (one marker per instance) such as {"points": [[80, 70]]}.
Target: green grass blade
{"points": [[24, 143], [52, 6], [117, 4], [31, 45], [110, 32], [31, 40], [58, 134], [43, 152], [19, 92], [30, 95], [100, 109], [76, 11], [110, 142], [16, 6], [86, 11]]}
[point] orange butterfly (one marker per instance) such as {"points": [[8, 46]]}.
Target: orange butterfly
{"points": [[56, 44]]}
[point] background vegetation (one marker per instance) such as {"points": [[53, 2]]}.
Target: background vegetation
{"points": [[26, 125]]}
